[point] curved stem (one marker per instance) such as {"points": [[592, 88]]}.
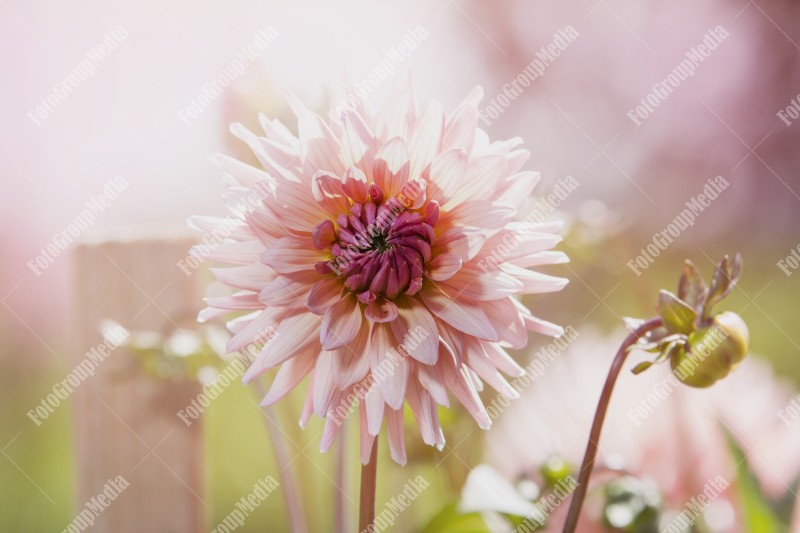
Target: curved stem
{"points": [[597, 425], [290, 494], [369, 474]]}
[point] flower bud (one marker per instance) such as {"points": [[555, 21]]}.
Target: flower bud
{"points": [[556, 470], [712, 351]]}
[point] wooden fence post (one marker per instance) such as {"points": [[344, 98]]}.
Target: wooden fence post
{"points": [[126, 422]]}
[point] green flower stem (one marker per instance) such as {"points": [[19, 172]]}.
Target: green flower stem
{"points": [[289, 487], [369, 474], [599, 417]]}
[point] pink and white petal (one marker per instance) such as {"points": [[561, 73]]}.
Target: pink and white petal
{"points": [[319, 149], [515, 160], [352, 363], [265, 225], [535, 282], [505, 147], [525, 228], [484, 214], [480, 143], [292, 204], [249, 277], [366, 440], [399, 113], [279, 160], [323, 383], [443, 266], [394, 428], [518, 188], [381, 310], [238, 200], [356, 185], [341, 323], [542, 326], [426, 140], [391, 167], [308, 404], [233, 229], [452, 340], [211, 313], [244, 174], [255, 143], [460, 129], [240, 301], [323, 235], [483, 173], [282, 158], [507, 320], [415, 325], [292, 254], [233, 252], [500, 358], [440, 440], [294, 334], [473, 378], [446, 174], [359, 145], [464, 242], [328, 191], [527, 246], [254, 328], [478, 361], [375, 409], [432, 379], [330, 431], [324, 294], [276, 131], [389, 364], [550, 257], [464, 390], [463, 314], [473, 284], [421, 405], [289, 375], [289, 290]]}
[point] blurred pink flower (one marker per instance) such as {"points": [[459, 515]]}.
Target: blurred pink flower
{"points": [[384, 250], [656, 428]]}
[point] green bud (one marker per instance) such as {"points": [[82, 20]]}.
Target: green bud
{"points": [[556, 469], [712, 351]]}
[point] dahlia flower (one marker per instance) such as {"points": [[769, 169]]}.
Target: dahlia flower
{"points": [[385, 254], [657, 430]]}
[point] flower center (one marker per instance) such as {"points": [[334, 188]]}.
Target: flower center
{"points": [[381, 246]]}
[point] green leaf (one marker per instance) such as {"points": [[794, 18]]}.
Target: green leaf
{"points": [[758, 515], [450, 520], [678, 316], [726, 274], [666, 353], [785, 506], [692, 289], [641, 367]]}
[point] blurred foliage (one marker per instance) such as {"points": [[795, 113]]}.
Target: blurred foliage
{"points": [[758, 514], [450, 520]]}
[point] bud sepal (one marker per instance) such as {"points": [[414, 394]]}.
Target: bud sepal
{"points": [[702, 347]]}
